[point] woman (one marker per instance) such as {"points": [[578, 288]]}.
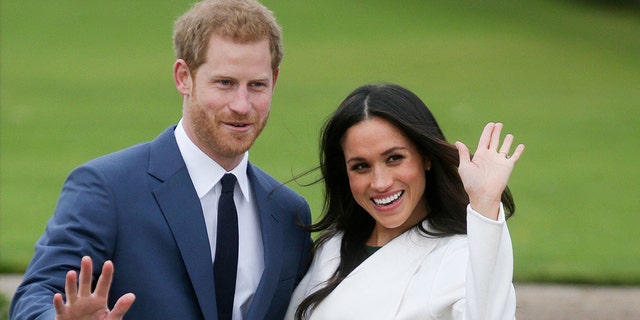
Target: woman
{"points": [[412, 226]]}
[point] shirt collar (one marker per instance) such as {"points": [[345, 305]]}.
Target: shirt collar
{"points": [[206, 173]]}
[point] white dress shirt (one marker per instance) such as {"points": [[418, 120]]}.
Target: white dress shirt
{"points": [[205, 175]]}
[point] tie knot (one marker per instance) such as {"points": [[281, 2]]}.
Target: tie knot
{"points": [[228, 182]]}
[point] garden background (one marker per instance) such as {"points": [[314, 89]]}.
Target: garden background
{"points": [[80, 79]]}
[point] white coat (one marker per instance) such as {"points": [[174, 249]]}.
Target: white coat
{"points": [[420, 277]]}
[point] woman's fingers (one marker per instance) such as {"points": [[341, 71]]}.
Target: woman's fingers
{"points": [[490, 141], [463, 152], [517, 153], [495, 137], [506, 145], [485, 137]]}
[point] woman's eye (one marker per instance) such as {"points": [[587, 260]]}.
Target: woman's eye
{"points": [[395, 158], [359, 167]]}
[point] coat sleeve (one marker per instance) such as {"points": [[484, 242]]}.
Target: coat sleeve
{"points": [[489, 289], [82, 224]]}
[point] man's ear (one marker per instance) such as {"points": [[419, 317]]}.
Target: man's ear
{"points": [[275, 77], [182, 77]]}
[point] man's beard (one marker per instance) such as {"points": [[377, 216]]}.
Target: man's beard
{"points": [[216, 138]]}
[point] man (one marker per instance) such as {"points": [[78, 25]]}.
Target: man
{"points": [[152, 210]]}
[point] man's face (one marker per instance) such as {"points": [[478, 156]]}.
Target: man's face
{"points": [[230, 99]]}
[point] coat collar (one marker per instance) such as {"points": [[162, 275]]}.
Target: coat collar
{"points": [[382, 277]]}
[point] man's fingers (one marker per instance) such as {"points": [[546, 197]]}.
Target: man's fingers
{"points": [[86, 270], [58, 303], [71, 286], [104, 281], [122, 305], [80, 299]]}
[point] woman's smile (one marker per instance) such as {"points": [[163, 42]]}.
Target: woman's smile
{"points": [[388, 200]]}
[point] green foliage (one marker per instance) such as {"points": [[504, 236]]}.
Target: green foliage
{"points": [[81, 79]]}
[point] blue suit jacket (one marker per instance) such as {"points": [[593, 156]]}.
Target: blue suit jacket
{"points": [[138, 208]]}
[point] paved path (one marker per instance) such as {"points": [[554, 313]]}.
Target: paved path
{"points": [[535, 301], [548, 301]]}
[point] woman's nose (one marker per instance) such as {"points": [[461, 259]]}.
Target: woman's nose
{"points": [[381, 180]]}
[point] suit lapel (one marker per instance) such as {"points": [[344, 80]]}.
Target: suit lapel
{"points": [[181, 208], [272, 243]]}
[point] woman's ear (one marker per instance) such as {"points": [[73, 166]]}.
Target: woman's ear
{"points": [[182, 77], [427, 164]]}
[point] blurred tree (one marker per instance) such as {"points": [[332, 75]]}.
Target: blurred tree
{"points": [[618, 4]]}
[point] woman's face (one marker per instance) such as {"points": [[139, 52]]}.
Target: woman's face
{"points": [[387, 177]]}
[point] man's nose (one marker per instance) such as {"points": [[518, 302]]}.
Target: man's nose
{"points": [[240, 103]]}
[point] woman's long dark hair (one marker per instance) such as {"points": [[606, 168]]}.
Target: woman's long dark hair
{"points": [[444, 193]]}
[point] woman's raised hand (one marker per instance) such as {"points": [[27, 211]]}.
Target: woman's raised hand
{"points": [[485, 175], [82, 303]]}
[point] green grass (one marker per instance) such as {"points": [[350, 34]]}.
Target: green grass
{"points": [[4, 307], [81, 79]]}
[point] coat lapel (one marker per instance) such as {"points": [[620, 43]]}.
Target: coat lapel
{"points": [[375, 289], [181, 208], [272, 242]]}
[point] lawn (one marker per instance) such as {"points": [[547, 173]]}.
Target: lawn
{"points": [[81, 79]]}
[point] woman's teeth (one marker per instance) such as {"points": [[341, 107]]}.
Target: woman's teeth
{"points": [[387, 200]]}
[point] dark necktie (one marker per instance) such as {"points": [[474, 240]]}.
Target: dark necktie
{"points": [[225, 265]]}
